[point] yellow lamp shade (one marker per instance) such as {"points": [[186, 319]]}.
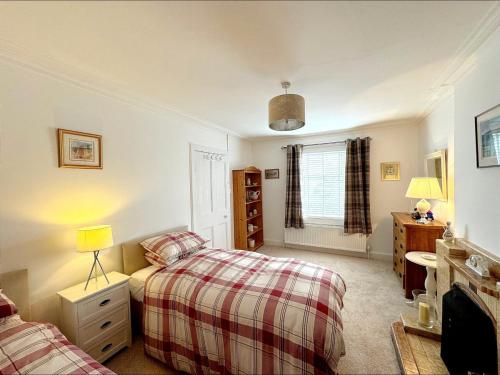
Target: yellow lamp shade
{"points": [[94, 238], [424, 187]]}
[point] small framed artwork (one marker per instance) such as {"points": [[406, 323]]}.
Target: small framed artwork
{"points": [[488, 138], [390, 171], [79, 150], [272, 174]]}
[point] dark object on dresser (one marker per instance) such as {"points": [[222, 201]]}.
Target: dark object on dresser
{"points": [[410, 236], [468, 342]]}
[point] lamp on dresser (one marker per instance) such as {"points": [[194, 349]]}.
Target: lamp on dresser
{"points": [[424, 188], [94, 239]]}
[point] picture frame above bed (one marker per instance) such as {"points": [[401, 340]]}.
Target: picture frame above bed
{"points": [[79, 150]]}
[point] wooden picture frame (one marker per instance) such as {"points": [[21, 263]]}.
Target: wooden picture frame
{"points": [[272, 174], [488, 138], [390, 171], [79, 150]]}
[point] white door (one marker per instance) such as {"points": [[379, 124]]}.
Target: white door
{"points": [[210, 195]]}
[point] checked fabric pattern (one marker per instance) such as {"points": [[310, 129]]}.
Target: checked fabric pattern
{"points": [[36, 348], [237, 312]]}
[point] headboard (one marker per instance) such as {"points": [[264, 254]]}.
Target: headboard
{"points": [[133, 252], [15, 286]]}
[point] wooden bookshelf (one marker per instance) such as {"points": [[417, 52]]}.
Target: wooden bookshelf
{"points": [[244, 207]]}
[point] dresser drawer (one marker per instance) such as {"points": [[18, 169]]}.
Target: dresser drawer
{"points": [[109, 345], [89, 310], [102, 326]]}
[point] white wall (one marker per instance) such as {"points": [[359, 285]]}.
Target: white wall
{"points": [[389, 143], [436, 132], [143, 188], [477, 191], [474, 194]]}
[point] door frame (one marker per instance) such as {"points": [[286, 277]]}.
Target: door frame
{"points": [[193, 147]]}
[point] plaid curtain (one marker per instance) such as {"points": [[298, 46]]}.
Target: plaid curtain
{"points": [[293, 215], [357, 187]]}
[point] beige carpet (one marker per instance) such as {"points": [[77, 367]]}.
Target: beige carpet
{"points": [[374, 299]]}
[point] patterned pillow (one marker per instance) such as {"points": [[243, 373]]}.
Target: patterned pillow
{"points": [[171, 247], [157, 260], [7, 307]]}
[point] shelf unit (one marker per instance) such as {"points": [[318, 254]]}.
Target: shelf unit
{"points": [[244, 207]]}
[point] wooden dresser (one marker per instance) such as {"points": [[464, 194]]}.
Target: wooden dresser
{"points": [[410, 236]]}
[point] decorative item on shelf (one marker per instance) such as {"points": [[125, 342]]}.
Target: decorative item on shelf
{"points": [[477, 264], [251, 243], [415, 214], [286, 112], [250, 214], [255, 211], [389, 171], [448, 235], [254, 195], [272, 174], [424, 188], [79, 150], [250, 228], [94, 239], [249, 182], [429, 216], [487, 138]]}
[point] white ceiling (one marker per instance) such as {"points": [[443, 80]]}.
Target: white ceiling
{"points": [[356, 63]]}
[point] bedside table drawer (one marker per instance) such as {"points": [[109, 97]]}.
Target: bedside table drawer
{"points": [[103, 325], [92, 309], [109, 346]]}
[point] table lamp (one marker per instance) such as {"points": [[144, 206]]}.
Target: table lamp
{"points": [[94, 239], [424, 188]]}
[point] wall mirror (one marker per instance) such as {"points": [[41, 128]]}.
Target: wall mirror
{"points": [[435, 166]]}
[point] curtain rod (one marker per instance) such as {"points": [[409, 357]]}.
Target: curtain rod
{"points": [[321, 144]]}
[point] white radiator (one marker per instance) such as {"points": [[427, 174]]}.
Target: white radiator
{"points": [[325, 237]]}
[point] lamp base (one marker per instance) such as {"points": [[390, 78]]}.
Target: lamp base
{"points": [[94, 267], [423, 206]]}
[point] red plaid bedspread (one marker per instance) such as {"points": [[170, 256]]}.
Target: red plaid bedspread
{"points": [[238, 312], [36, 348]]}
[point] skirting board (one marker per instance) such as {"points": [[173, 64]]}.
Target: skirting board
{"points": [[377, 256]]}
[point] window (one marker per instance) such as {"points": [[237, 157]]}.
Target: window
{"points": [[323, 185]]}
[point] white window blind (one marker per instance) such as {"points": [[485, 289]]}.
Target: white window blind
{"points": [[323, 184]]}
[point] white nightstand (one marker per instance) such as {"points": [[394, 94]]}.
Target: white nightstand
{"points": [[98, 319]]}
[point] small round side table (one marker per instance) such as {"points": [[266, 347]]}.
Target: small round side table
{"points": [[428, 260]]}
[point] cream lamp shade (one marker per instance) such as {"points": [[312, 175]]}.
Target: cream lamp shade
{"points": [[94, 238], [424, 188], [286, 112]]}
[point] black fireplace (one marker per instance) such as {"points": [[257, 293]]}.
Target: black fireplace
{"points": [[468, 342]]}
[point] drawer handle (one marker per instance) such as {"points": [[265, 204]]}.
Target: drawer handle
{"points": [[105, 302], [107, 347], [401, 230], [105, 324], [395, 224], [395, 238], [400, 245], [401, 261]]}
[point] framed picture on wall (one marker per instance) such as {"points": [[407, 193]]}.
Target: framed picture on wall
{"points": [[272, 174], [389, 171], [488, 138], [79, 150]]}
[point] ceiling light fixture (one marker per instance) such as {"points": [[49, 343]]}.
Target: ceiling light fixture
{"points": [[286, 112]]}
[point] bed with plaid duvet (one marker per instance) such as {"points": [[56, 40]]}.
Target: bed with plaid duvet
{"points": [[237, 312], [37, 348]]}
